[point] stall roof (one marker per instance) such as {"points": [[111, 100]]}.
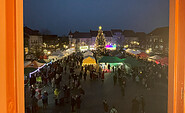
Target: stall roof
{"points": [[143, 54], [110, 59], [33, 64], [89, 60], [155, 57], [88, 53], [133, 62]]}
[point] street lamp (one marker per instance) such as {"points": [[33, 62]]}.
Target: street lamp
{"points": [[49, 52], [147, 51]]}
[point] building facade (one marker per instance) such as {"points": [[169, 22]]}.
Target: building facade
{"points": [[158, 40], [50, 43]]}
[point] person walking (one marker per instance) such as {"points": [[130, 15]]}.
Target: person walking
{"points": [[78, 103], [142, 104], [32, 91], [85, 75], [102, 76], [135, 105], [137, 79], [56, 93], [34, 104], [105, 105], [113, 110], [113, 69], [73, 102], [123, 89], [45, 99], [115, 79]]}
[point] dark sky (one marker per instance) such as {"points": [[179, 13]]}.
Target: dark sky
{"points": [[61, 16]]}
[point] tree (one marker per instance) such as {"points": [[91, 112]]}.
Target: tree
{"points": [[100, 41]]}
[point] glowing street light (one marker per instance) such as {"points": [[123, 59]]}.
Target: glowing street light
{"points": [[49, 52], [147, 51]]}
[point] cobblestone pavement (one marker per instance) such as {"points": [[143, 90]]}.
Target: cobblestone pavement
{"points": [[96, 91]]}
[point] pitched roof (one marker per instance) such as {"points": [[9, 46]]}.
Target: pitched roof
{"points": [[116, 30], [95, 33], [30, 31], [110, 59], [133, 62], [160, 31], [141, 34], [48, 38], [129, 33], [82, 35], [107, 33], [70, 33]]}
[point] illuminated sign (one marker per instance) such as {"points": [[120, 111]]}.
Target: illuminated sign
{"points": [[111, 47], [92, 47], [83, 48]]}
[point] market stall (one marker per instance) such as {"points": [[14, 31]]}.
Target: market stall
{"points": [[143, 55], [154, 58], [89, 61], [56, 55], [162, 61], [109, 61], [44, 61], [31, 66], [88, 53], [133, 51], [130, 63]]}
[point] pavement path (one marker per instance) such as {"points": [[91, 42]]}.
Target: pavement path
{"points": [[96, 91]]}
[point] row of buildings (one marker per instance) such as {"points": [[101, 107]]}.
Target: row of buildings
{"points": [[156, 41], [37, 43]]}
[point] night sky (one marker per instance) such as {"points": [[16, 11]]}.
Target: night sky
{"points": [[61, 16]]}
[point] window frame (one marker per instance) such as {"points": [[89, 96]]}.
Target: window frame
{"points": [[12, 57]]}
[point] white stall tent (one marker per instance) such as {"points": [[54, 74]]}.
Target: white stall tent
{"points": [[88, 53], [56, 55], [153, 58], [131, 51]]}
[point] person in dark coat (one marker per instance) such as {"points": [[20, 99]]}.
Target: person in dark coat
{"points": [[73, 102], [34, 104], [78, 103], [142, 104], [85, 75], [32, 91], [105, 105], [113, 68], [115, 79], [80, 75], [102, 76], [135, 105], [108, 66], [45, 99], [123, 90]]}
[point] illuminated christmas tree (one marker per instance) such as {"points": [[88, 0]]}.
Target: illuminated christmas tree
{"points": [[100, 41]]}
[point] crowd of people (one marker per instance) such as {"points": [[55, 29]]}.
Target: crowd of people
{"points": [[70, 90], [66, 91]]}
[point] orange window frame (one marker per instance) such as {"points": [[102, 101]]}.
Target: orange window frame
{"points": [[12, 64]]}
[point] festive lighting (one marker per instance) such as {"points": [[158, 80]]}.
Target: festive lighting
{"points": [[83, 48], [125, 46], [49, 52], [111, 47], [100, 27], [147, 51]]}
